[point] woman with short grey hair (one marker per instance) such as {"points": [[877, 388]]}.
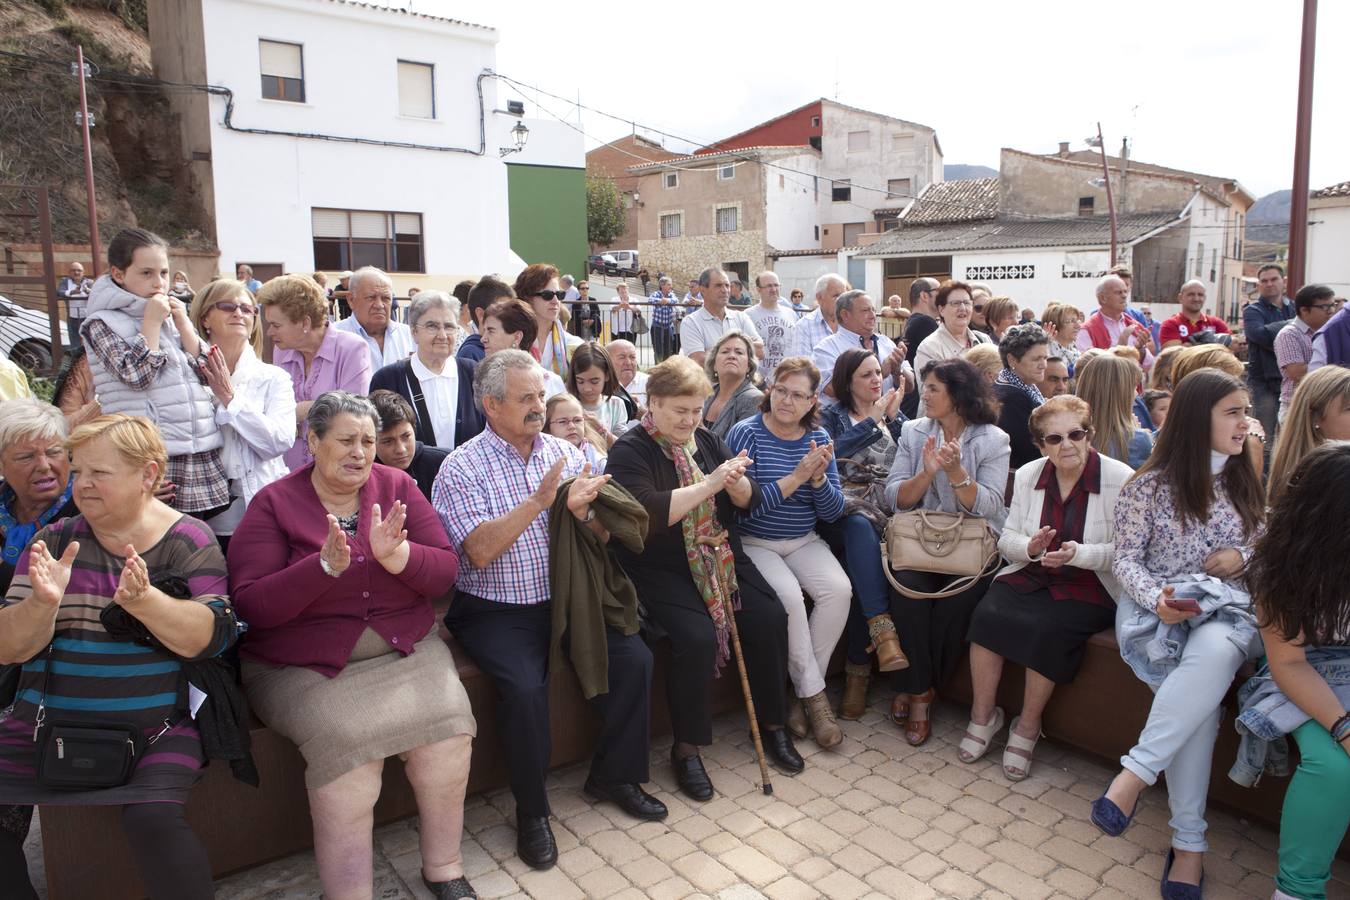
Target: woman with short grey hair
{"points": [[437, 384], [1024, 350], [335, 567], [36, 473]]}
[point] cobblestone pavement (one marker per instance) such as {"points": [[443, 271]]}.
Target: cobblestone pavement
{"points": [[876, 818]]}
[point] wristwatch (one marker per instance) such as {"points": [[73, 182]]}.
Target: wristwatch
{"points": [[965, 484], [590, 515]]}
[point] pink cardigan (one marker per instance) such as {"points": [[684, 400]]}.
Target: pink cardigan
{"points": [[300, 616], [341, 364]]}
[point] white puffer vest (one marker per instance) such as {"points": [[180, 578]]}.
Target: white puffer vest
{"points": [[176, 401]]}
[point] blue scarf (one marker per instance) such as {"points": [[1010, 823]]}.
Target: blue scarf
{"points": [[18, 535], [1009, 377]]}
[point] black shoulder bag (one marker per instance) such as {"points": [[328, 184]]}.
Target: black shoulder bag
{"points": [[425, 433]]}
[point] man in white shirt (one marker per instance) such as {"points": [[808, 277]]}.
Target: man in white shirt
{"points": [[774, 321], [568, 284], [858, 330], [621, 319], [625, 357], [703, 327], [814, 327], [372, 302]]}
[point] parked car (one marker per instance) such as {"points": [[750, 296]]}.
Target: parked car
{"points": [[625, 262], [26, 336], [601, 264]]}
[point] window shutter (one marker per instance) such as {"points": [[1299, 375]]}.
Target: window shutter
{"points": [[370, 225], [280, 60], [407, 224], [415, 94], [330, 223]]}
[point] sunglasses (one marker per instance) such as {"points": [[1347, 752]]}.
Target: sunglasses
{"points": [[550, 295], [979, 307], [1054, 440], [247, 309]]}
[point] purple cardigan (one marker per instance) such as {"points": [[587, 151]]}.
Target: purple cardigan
{"points": [[342, 363], [1336, 335], [300, 616]]}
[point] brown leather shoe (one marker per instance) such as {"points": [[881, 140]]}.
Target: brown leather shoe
{"points": [[854, 702], [920, 727], [886, 644], [823, 725]]}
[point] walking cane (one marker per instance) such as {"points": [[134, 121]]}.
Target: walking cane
{"points": [[749, 703], [712, 541]]}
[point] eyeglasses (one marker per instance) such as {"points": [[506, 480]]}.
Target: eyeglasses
{"points": [[574, 422], [958, 304], [550, 295], [1324, 306], [797, 397], [1054, 440], [438, 327], [247, 309]]}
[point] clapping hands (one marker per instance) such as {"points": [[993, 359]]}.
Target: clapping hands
{"points": [[729, 472], [387, 535], [50, 576], [813, 466], [135, 581], [583, 491]]}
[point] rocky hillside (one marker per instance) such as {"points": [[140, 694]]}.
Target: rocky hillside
{"points": [[137, 175]]}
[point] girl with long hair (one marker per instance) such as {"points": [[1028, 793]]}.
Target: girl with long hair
{"points": [[1183, 526], [1318, 412], [593, 381], [1107, 383], [1297, 576]]}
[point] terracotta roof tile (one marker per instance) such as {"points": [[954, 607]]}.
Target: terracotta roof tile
{"points": [[1335, 190]]}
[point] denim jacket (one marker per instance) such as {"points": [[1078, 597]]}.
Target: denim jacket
{"points": [[1153, 649], [1267, 715]]}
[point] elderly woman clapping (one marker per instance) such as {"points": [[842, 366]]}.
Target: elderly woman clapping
{"points": [[76, 672], [335, 568], [36, 472], [1058, 589], [437, 385]]}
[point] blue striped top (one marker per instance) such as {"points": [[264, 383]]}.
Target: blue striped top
{"points": [[778, 518]]}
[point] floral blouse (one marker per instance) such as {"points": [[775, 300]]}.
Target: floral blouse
{"points": [[1154, 546]]}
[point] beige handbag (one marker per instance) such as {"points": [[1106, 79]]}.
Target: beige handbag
{"points": [[941, 543]]}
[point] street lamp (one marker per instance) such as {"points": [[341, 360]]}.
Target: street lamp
{"points": [[520, 134]]}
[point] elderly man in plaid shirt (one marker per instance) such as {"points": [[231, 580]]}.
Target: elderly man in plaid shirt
{"points": [[494, 494]]}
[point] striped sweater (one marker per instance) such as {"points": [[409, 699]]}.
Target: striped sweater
{"points": [[777, 517]]}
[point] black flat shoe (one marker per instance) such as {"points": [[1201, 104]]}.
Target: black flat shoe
{"points": [[778, 747], [630, 798], [692, 777], [1179, 890], [455, 889], [534, 841]]}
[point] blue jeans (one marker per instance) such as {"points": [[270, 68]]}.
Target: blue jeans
{"points": [[854, 539]]}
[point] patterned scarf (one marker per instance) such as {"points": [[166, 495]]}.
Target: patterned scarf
{"points": [[1009, 377], [18, 535], [559, 344], [706, 543]]}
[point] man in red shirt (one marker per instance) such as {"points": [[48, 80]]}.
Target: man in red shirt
{"points": [[1192, 320]]}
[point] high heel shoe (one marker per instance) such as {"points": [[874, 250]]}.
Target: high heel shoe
{"points": [[918, 730]]}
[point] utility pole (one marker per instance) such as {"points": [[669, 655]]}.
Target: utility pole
{"points": [[1298, 207], [95, 245], [1110, 199]]}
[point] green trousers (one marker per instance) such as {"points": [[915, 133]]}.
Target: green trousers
{"points": [[1315, 816]]}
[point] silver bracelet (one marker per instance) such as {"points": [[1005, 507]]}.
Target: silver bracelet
{"points": [[327, 569], [965, 484]]}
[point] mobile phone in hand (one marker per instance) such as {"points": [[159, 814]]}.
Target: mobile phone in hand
{"points": [[1184, 604]]}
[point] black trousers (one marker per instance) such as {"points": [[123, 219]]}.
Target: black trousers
{"points": [[171, 859], [932, 632], [510, 642], [679, 609]]}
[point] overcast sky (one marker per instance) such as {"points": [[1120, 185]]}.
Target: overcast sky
{"points": [[1202, 85]]}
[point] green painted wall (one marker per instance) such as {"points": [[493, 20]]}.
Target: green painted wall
{"points": [[548, 215]]}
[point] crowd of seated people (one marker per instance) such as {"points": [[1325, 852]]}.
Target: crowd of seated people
{"points": [[197, 506]]}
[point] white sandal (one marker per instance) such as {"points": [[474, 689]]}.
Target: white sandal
{"points": [[975, 744], [1017, 753]]}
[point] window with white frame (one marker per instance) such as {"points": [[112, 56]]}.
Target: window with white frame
{"points": [[416, 90], [671, 179], [841, 190], [898, 187], [726, 173], [670, 225], [726, 219], [815, 121], [282, 67], [859, 140]]}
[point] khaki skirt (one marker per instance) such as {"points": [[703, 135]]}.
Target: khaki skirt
{"points": [[381, 704]]}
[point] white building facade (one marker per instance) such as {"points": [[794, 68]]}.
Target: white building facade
{"points": [[350, 135], [1328, 255]]}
